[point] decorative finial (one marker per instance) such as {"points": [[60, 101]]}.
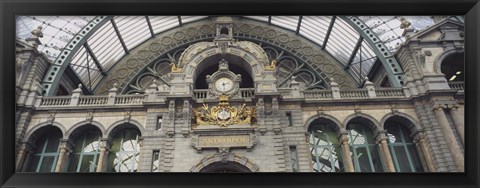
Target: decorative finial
{"points": [[366, 78], [79, 86], [115, 85], [37, 32], [405, 23]]}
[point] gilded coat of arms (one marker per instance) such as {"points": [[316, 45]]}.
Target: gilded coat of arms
{"points": [[223, 114]]}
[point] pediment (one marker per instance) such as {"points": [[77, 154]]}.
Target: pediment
{"points": [[434, 32]]}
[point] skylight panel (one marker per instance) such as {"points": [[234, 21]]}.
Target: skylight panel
{"points": [[315, 28], [163, 23], [133, 29], [287, 22]]}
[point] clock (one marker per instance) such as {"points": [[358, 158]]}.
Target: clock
{"points": [[224, 84]]}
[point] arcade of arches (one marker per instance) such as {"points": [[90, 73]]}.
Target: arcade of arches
{"points": [[235, 100]]}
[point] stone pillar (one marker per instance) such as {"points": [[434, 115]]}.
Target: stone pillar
{"points": [[459, 123], [104, 148], [76, 95], [65, 150], [112, 93], [385, 151], [22, 156], [370, 88], [347, 157], [421, 144], [335, 89], [449, 137]]}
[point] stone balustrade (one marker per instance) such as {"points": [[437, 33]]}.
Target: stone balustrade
{"points": [[389, 92], [56, 101], [457, 85], [200, 93], [129, 99], [318, 94], [354, 94], [245, 93], [92, 100]]}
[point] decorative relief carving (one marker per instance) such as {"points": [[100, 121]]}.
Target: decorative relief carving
{"points": [[168, 40], [154, 47], [223, 114]]}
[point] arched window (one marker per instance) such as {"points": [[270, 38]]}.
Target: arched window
{"points": [[45, 156], [365, 154], [85, 152], [325, 149], [124, 154], [403, 150], [453, 67]]}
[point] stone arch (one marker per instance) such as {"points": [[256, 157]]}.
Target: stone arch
{"points": [[374, 126], [337, 124], [145, 57], [406, 119], [43, 124], [440, 58], [230, 157], [79, 126], [195, 55], [123, 124], [39, 126]]}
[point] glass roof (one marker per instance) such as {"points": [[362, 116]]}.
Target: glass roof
{"points": [[123, 33]]}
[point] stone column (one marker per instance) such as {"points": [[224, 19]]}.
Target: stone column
{"points": [[385, 151], [22, 156], [449, 137], [347, 158], [65, 150], [104, 148], [459, 123], [421, 144]]}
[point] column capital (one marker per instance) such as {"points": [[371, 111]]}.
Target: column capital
{"points": [[343, 138], [381, 136], [419, 137], [439, 107]]}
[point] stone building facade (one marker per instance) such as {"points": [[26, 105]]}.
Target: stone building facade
{"points": [[140, 119]]}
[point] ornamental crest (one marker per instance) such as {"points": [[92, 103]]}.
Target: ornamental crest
{"points": [[223, 114]]}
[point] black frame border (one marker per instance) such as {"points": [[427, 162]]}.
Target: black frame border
{"points": [[10, 8]]}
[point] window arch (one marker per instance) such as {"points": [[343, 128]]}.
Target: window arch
{"points": [[86, 150], [46, 152], [453, 67], [125, 151], [404, 153], [325, 149], [365, 153]]}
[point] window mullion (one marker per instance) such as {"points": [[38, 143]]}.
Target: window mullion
{"points": [[410, 162]]}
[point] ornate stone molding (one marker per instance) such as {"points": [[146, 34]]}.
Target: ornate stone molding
{"points": [[153, 50]]}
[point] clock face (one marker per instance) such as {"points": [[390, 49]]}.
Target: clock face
{"points": [[224, 84]]}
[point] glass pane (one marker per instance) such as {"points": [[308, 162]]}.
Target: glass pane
{"points": [[186, 19], [106, 46], [361, 160], [402, 159], [155, 162], [315, 28], [47, 164], [287, 22], [163, 23], [88, 163], [72, 167], [415, 158], [133, 29], [53, 142], [342, 40], [376, 160], [259, 18], [32, 166]]}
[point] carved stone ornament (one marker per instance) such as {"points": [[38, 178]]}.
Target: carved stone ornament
{"points": [[223, 114], [244, 140]]}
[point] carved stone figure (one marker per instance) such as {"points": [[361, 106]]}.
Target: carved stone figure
{"points": [[405, 24], [37, 32]]}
